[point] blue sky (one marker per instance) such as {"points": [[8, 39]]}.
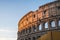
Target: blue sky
{"points": [[11, 12]]}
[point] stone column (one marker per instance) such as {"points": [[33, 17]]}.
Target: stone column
{"points": [[49, 25], [37, 27], [25, 31], [56, 23], [32, 29], [43, 27]]}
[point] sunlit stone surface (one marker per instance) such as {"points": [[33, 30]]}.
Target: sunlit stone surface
{"points": [[36, 23]]}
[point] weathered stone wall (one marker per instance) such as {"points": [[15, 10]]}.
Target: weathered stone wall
{"points": [[35, 24]]}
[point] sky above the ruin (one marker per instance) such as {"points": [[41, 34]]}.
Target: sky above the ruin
{"points": [[11, 12]]}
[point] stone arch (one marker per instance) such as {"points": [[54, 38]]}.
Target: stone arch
{"points": [[40, 27], [46, 25], [59, 22], [52, 24]]}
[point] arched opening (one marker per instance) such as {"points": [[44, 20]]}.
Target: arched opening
{"points": [[26, 30], [29, 38], [34, 38], [38, 37], [34, 28], [40, 27], [59, 23], [46, 25], [52, 23], [29, 29], [22, 39], [25, 39], [23, 31]]}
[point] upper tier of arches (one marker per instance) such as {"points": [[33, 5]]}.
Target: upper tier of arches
{"points": [[45, 11]]}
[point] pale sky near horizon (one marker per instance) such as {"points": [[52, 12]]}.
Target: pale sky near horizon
{"points": [[11, 12]]}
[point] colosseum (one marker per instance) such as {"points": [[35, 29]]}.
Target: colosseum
{"points": [[36, 24]]}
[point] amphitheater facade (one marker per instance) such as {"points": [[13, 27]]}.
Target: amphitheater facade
{"points": [[36, 23]]}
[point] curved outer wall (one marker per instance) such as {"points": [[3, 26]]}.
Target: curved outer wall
{"points": [[28, 26]]}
